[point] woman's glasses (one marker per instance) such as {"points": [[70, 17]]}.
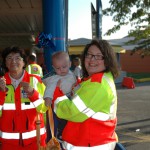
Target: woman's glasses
{"points": [[17, 58], [96, 57]]}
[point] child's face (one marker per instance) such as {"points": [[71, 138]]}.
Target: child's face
{"points": [[61, 66]]}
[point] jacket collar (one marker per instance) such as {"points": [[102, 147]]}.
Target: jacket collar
{"points": [[97, 77], [25, 77]]}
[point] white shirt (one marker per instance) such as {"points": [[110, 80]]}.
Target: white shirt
{"points": [[67, 82], [16, 82], [78, 71]]}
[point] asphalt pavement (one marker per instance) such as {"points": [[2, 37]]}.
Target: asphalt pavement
{"points": [[133, 113]]}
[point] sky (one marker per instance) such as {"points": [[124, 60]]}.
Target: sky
{"points": [[79, 21]]}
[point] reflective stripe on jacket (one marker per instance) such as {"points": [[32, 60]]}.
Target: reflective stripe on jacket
{"points": [[91, 112], [18, 112]]}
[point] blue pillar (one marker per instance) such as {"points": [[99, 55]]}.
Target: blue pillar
{"points": [[54, 23], [99, 19]]}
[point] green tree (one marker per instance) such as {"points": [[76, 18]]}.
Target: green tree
{"points": [[136, 13]]}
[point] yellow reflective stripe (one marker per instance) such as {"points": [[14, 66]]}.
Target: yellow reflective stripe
{"points": [[59, 99], [108, 146], [88, 111], [35, 83], [8, 106], [1, 107], [29, 69], [113, 110], [24, 106], [101, 116], [82, 107], [32, 134], [38, 102], [26, 135], [111, 84], [114, 102], [6, 135]]}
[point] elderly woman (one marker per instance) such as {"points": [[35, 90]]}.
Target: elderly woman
{"points": [[20, 100], [91, 112]]}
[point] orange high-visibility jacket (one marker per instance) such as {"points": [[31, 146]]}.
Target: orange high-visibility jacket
{"points": [[18, 112], [91, 113]]}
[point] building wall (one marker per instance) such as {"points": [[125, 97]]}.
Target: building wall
{"points": [[134, 63]]}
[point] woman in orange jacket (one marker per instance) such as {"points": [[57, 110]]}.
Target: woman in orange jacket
{"points": [[91, 112], [20, 101]]}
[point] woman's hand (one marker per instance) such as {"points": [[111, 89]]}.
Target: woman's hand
{"points": [[2, 83], [27, 88]]}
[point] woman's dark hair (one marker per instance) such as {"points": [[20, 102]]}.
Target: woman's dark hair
{"points": [[13, 49], [110, 61], [32, 58]]}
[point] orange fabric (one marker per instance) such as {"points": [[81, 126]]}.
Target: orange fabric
{"points": [[7, 146], [92, 132], [95, 77], [58, 92], [2, 97], [34, 96]]}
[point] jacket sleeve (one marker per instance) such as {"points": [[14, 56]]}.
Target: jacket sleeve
{"points": [[37, 97], [2, 100], [57, 93], [90, 98]]}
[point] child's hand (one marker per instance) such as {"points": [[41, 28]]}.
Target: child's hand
{"points": [[48, 101]]}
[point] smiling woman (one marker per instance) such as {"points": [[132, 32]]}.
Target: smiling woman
{"points": [[20, 100], [93, 102], [14, 58], [104, 59]]}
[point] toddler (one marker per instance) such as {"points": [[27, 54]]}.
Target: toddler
{"points": [[61, 64]]}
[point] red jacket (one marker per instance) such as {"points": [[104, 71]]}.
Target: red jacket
{"points": [[18, 118], [91, 112]]}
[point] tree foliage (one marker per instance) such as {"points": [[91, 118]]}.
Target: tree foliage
{"points": [[136, 13]]}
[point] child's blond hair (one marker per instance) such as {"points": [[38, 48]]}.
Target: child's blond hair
{"points": [[58, 55]]}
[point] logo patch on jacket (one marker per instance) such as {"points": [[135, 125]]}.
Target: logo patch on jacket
{"points": [[35, 69]]}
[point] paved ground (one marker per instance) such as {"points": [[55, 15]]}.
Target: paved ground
{"points": [[134, 116]]}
